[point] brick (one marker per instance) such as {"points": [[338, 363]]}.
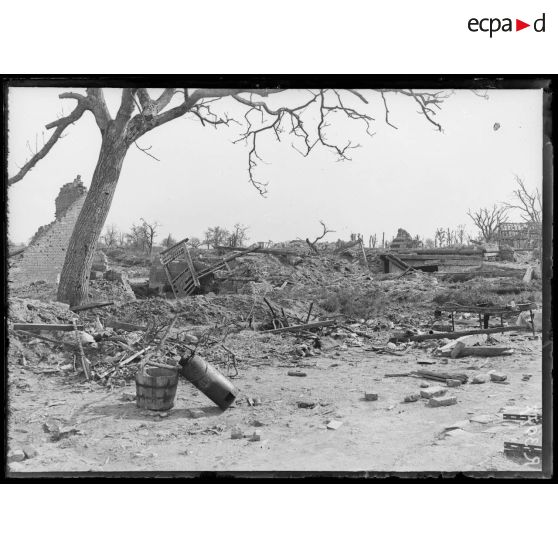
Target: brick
{"points": [[442, 401], [334, 424], [236, 433], [411, 398], [16, 455], [434, 391], [256, 436], [453, 383], [371, 396], [480, 379], [498, 377], [29, 452], [306, 404], [196, 413]]}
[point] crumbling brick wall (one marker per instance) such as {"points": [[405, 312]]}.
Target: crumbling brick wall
{"points": [[44, 257]]}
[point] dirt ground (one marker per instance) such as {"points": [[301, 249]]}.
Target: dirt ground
{"points": [[106, 432]]}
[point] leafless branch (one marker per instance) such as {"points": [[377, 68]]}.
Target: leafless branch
{"points": [[146, 151]]}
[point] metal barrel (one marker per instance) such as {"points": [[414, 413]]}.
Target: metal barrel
{"points": [[156, 388], [208, 380]]}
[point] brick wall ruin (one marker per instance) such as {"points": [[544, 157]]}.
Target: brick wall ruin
{"points": [[44, 257]]}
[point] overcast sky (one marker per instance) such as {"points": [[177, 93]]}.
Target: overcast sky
{"points": [[412, 177]]}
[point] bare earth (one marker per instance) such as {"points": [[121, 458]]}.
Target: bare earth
{"points": [[111, 434]]}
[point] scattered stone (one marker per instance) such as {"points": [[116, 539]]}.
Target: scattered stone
{"points": [[306, 404], [424, 385], [391, 346], [434, 391], [498, 377], [371, 396], [163, 415], [297, 373], [16, 455], [453, 383], [30, 452], [236, 433], [257, 423], [196, 413], [480, 379], [334, 424], [128, 397], [255, 436], [257, 401], [442, 401], [411, 398], [526, 377]]}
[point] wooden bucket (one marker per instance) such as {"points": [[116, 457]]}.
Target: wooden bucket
{"points": [[156, 388]]}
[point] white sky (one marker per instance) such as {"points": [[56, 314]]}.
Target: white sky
{"points": [[413, 177]]}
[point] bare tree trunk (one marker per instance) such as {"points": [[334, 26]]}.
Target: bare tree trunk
{"points": [[74, 279]]}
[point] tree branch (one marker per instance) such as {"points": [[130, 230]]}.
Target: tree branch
{"points": [[60, 125]]}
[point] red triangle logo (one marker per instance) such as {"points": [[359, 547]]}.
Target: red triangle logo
{"points": [[519, 25]]}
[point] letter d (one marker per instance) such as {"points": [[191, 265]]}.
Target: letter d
{"points": [[536, 24]]}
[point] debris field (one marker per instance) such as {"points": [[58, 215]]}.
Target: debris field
{"points": [[332, 358]]}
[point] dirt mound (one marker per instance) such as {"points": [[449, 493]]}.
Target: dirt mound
{"points": [[27, 310]]}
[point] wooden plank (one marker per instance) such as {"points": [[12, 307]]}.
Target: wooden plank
{"points": [[191, 268], [170, 254], [114, 324], [301, 327], [90, 306], [457, 334], [45, 327]]}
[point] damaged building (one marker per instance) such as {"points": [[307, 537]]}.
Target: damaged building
{"points": [[44, 257]]}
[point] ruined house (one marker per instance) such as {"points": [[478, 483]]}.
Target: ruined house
{"points": [[44, 257], [403, 240]]}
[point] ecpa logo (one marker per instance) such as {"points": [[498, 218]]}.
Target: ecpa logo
{"points": [[494, 24]]}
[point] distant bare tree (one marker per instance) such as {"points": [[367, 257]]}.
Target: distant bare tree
{"points": [[439, 237], [238, 236], [372, 241], [429, 243], [460, 234], [216, 236], [528, 203], [111, 236], [318, 238], [488, 220], [195, 242], [168, 241], [149, 233]]}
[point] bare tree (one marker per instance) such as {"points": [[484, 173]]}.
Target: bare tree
{"points": [[216, 236], [195, 242], [149, 233], [318, 238], [168, 241], [372, 241], [238, 236], [528, 203], [460, 234], [307, 120], [135, 238], [439, 237], [488, 220], [429, 243], [111, 236]]}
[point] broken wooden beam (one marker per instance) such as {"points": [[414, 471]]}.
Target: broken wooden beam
{"points": [[457, 334], [488, 351], [46, 327], [301, 327], [125, 326], [90, 306]]}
